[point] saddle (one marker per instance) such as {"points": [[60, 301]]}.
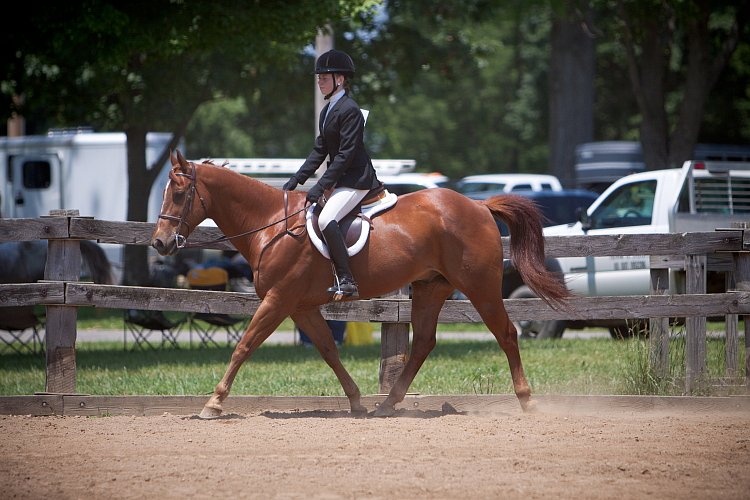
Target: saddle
{"points": [[355, 226]]}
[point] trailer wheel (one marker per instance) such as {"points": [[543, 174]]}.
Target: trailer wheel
{"points": [[536, 329]]}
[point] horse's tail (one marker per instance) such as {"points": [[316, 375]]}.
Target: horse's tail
{"points": [[98, 263], [524, 220]]}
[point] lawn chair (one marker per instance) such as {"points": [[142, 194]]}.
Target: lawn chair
{"points": [[207, 325], [21, 329], [141, 324]]}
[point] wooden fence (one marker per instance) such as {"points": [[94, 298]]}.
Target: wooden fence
{"points": [[726, 250]]}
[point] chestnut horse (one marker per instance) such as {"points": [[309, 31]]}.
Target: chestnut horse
{"points": [[436, 239]]}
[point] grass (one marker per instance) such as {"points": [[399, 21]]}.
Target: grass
{"points": [[565, 366]]}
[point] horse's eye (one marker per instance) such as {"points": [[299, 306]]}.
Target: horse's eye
{"points": [[178, 196]]}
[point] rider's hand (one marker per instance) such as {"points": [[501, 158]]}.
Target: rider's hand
{"points": [[315, 193], [291, 183]]}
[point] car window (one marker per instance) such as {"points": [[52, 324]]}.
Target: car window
{"points": [[546, 186], [476, 187], [630, 205], [521, 187]]}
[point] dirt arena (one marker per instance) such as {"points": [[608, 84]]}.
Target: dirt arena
{"points": [[553, 453]]}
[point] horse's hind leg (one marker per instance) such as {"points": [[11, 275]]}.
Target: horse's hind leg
{"points": [[314, 325], [428, 298], [489, 304]]}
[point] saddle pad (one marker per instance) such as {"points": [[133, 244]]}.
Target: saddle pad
{"points": [[367, 212]]}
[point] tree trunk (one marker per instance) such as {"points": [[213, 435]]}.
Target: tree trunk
{"points": [[647, 80], [703, 70], [571, 93], [136, 269], [669, 142]]}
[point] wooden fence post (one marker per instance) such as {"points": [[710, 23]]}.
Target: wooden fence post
{"points": [[742, 284], [659, 327], [394, 348], [731, 348], [695, 326], [63, 264]]}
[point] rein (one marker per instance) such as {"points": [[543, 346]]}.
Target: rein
{"points": [[187, 207]]}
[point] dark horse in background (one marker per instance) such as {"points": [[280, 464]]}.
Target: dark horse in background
{"points": [[436, 239], [24, 262]]}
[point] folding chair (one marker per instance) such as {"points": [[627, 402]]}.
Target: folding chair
{"points": [[21, 329], [207, 325], [141, 324]]}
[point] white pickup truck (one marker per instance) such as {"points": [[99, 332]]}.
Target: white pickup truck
{"points": [[700, 196]]}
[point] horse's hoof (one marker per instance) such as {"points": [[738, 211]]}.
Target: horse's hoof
{"points": [[529, 406], [384, 411], [210, 413], [359, 410]]}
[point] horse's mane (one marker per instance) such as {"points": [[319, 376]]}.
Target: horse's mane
{"points": [[257, 183], [209, 161]]}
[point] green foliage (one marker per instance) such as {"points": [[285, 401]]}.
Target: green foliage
{"points": [[117, 65], [214, 131], [461, 87], [642, 378], [460, 90]]}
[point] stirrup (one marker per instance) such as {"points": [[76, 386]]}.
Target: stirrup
{"points": [[343, 289]]}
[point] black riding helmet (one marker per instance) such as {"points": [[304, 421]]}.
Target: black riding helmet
{"points": [[336, 62]]}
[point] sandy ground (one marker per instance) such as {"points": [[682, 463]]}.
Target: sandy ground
{"points": [[417, 454]]}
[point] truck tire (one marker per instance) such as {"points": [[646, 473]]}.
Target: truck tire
{"points": [[547, 329]]}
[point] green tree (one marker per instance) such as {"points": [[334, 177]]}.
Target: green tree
{"points": [[480, 86], [675, 53], [148, 65], [461, 87]]}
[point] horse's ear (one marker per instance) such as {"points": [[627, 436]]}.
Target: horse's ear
{"points": [[172, 176], [183, 162], [173, 158]]}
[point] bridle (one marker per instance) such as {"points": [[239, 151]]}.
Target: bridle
{"points": [[188, 206]]}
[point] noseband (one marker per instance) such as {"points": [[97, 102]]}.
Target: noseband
{"points": [[186, 208]]}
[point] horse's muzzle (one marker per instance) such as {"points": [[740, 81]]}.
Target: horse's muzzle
{"points": [[168, 247]]}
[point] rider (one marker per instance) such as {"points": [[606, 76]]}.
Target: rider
{"points": [[350, 172]]}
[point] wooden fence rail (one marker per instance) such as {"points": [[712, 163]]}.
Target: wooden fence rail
{"points": [[726, 250]]}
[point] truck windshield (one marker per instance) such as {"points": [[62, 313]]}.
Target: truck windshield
{"points": [[630, 205]]}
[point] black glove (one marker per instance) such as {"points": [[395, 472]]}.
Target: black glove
{"points": [[291, 183], [315, 193]]}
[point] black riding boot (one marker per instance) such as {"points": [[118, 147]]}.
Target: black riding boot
{"points": [[337, 248]]}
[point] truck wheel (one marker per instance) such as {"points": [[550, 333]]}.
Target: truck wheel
{"points": [[530, 329]]}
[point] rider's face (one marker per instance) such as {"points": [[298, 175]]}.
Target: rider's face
{"points": [[325, 83]]}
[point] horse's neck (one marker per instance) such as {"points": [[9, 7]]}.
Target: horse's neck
{"points": [[238, 203]]}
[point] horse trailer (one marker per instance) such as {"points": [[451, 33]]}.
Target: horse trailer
{"points": [[74, 169]]}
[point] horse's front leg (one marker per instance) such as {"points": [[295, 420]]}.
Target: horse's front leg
{"points": [[311, 322], [265, 321]]}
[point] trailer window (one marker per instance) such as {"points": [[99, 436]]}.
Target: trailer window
{"points": [[37, 175]]}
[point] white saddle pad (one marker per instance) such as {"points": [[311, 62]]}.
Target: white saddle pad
{"points": [[368, 211]]}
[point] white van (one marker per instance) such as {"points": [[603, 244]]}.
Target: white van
{"points": [[508, 183]]}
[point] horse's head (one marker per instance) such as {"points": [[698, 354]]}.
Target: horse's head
{"points": [[179, 214]]}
